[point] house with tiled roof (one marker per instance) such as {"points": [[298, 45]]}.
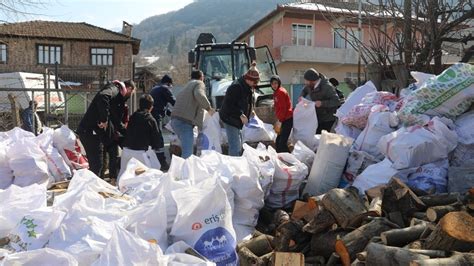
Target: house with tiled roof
{"points": [[34, 46]]}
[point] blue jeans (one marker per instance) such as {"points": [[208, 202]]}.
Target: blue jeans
{"points": [[185, 134], [234, 138]]}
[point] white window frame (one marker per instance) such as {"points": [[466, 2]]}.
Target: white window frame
{"points": [[98, 58], [3, 53], [47, 53], [307, 41], [346, 36], [334, 33]]}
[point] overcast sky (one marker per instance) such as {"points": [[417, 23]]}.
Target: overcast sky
{"points": [[104, 13]]}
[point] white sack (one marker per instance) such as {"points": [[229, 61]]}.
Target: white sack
{"points": [[125, 248], [430, 178], [305, 122], [415, 146], [40, 257], [6, 173], [464, 152], [16, 201], [263, 163], [210, 137], [303, 154], [355, 98], [378, 125], [57, 167], [328, 164], [255, 130], [147, 158], [64, 138], [204, 221], [357, 162], [28, 162], [34, 229]]}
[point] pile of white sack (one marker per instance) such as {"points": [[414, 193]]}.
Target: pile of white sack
{"points": [[50, 157], [207, 204], [423, 137]]}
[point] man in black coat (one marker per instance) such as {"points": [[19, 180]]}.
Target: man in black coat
{"points": [[162, 96], [101, 127], [237, 108]]}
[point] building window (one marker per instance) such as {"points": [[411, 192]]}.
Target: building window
{"points": [[339, 41], [298, 77], [3, 53], [347, 38], [102, 56], [49, 54], [302, 35], [252, 41], [352, 76]]}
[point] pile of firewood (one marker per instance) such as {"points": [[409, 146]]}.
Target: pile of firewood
{"points": [[391, 225]]}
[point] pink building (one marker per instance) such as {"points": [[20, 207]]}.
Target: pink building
{"points": [[304, 35]]}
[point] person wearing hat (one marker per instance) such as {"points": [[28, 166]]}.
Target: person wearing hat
{"points": [[237, 107], [321, 91], [340, 94], [162, 96], [283, 112], [101, 126], [189, 111]]}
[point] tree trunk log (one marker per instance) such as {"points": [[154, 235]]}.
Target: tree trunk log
{"points": [[333, 260], [357, 262], [346, 206], [420, 215], [357, 240], [323, 244], [398, 198], [289, 237], [458, 259], [320, 223], [454, 232], [401, 237], [431, 253], [362, 256], [434, 214], [374, 73], [383, 255], [441, 199]]}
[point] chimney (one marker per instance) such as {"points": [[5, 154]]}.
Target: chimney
{"points": [[127, 29]]}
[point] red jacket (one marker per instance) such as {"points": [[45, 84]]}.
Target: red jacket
{"points": [[283, 107]]}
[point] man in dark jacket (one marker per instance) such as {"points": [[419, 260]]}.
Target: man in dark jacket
{"points": [[237, 108], [102, 126], [162, 96], [31, 120], [142, 133], [320, 90]]}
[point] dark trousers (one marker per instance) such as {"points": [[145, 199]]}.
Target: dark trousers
{"points": [[282, 138], [160, 153], [324, 126], [94, 151]]}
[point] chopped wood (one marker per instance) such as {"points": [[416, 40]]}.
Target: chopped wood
{"points": [[417, 244], [458, 259], [401, 237], [316, 260], [346, 206], [333, 260], [431, 253], [362, 256], [355, 241], [357, 262], [434, 214], [139, 171], [286, 258], [320, 223], [454, 232], [375, 207], [416, 221], [441, 199], [378, 254], [290, 237], [247, 258], [420, 215], [259, 246], [323, 244], [280, 217], [398, 198], [305, 210], [375, 192]]}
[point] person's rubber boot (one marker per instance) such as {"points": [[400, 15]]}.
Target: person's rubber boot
{"points": [[164, 165]]}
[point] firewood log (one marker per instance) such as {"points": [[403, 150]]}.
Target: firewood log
{"points": [[458, 259], [441, 199], [346, 206], [434, 214], [401, 237], [454, 232], [320, 223], [384, 255]]}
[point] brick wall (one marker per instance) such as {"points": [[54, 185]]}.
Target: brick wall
{"points": [[22, 56]]}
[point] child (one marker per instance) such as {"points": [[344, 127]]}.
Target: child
{"points": [[284, 113], [142, 133]]}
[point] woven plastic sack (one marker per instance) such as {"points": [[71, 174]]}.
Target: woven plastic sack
{"points": [[448, 95]]}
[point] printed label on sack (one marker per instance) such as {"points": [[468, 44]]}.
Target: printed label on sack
{"points": [[217, 245]]}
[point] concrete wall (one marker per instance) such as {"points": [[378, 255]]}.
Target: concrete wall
{"points": [[22, 56]]}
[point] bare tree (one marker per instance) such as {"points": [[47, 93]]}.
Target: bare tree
{"points": [[12, 10], [413, 31]]}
